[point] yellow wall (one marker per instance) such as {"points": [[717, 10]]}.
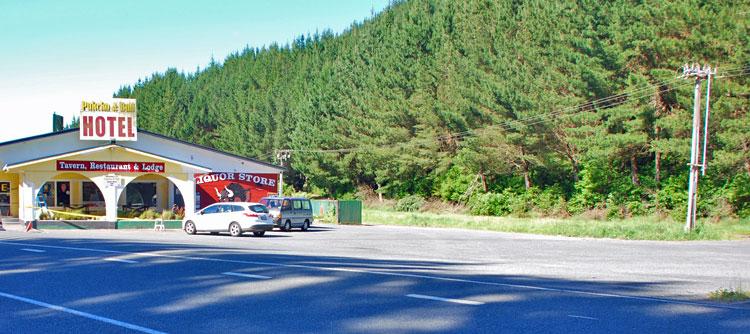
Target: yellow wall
{"points": [[115, 154], [76, 186], [77, 178], [13, 178]]}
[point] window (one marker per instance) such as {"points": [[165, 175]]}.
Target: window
{"points": [[211, 209], [46, 195], [63, 194], [237, 208], [297, 205], [54, 194], [91, 193], [258, 209], [306, 205], [271, 203], [4, 198], [177, 195], [286, 205], [141, 194]]}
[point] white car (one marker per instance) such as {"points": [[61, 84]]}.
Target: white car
{"points": [[233, 217]]}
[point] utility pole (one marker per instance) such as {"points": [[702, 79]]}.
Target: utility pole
{"points": [[281, 157], [699, 74]]}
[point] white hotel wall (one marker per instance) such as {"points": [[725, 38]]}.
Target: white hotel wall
{"points": [[30, 149]]}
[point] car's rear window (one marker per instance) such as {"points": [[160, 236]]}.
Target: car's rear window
{"points": [[258, 208]]}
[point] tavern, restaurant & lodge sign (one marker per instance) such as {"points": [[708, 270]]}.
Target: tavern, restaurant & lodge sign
{"points": [[107, 166]]}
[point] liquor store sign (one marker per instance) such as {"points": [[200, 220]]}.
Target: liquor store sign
{"points": [[110, 166], [110, 120]]}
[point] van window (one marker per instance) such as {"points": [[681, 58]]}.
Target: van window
{"points": [[271, 203], [306, 205], [297, 204], [287, 205]]}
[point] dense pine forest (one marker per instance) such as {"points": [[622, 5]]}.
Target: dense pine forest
{"points": [[506, 107]]}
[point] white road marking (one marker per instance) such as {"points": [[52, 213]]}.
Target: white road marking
{"points": [[229, 273], [114, 259], [386, 273], [33, 250], [450, 300], [581, 317], [81, 314]]}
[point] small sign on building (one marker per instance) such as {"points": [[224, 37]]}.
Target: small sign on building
{"points": [[112, 180]]}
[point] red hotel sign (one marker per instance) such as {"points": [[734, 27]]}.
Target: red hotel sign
{"points": [[110, 166]]}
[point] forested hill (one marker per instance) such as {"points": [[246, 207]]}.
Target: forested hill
{"points": [[486, 103]]}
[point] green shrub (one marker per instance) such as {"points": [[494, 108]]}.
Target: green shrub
{"points": [[169, 215], [549, 202], [129, 213], [738, 195], [499, 204], [729, 295], [452, 185], [488, 204], [410, 203], [520, 204], [150, 214], [70, 214]]}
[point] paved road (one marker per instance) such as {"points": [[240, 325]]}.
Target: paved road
{"points": [[364, 279]]}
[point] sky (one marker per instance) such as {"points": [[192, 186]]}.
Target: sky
{"points": [[54, 54]]}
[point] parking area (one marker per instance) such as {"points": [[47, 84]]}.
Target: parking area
{"points": [[362, 279]]}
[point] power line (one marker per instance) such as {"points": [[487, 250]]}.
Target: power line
{"points": [[506, 125], [605, 102], [602, 103], [587, 104]]}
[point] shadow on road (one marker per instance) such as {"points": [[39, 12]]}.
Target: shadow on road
{"points": [[184, 288]]}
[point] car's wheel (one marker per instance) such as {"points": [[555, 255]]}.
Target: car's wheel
{"points": [[287, 226], [306, 225], [190, 228], [235, 230], [259, 233]]}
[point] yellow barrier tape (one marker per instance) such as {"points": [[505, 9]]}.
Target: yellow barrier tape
{"points": [[74, 214]]}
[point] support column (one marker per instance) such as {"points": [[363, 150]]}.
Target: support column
{"points": [[187, 188], [111, 187], [25, 198], [29, 185], [111, 195]]}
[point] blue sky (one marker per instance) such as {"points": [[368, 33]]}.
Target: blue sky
{"points": [[53, 54]]}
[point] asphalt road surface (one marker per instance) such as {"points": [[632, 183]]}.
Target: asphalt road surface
{"points": [[365, 279]]}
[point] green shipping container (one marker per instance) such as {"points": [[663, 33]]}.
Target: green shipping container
{"points": [[350, 212]]}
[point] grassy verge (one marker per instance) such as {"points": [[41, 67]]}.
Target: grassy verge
{"points": [[729, 295], [641, 228]]}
